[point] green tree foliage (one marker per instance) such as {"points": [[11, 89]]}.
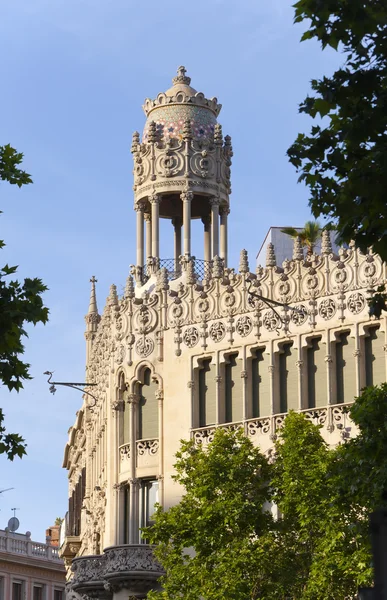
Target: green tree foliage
{"points": [[221, 541], [343, 160], [9, 170], [309, 235], [222, 517], [20, 303]]}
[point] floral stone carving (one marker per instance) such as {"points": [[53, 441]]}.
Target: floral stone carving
{"points": [[356, 303], [144, 346], [271, 321], [299, 315], [327, 309], [191, 337], [244, 326], [217, 331]]}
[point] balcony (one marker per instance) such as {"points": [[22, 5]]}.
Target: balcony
{"points": [[333, 420], [132, 568]]}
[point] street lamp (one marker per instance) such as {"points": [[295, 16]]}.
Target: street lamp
{"points": [[76, 386]]}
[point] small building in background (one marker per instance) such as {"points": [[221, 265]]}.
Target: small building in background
{"points": [[30, 570], [284, 245]]}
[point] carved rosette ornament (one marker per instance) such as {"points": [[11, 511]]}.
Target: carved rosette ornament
{"points": [[327, 309], [217, 331], [144, 346], [244, 325], [191, 337], [356, 303], [299, 316], [271, 321]]}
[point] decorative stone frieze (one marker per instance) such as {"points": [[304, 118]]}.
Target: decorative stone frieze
{"points": [[132, 568]]}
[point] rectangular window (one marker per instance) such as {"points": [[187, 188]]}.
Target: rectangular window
{"points": [[288, 380], [375, 366], [58, 595], [38, 592], [345, 368], [17, 590], [149, 496]]}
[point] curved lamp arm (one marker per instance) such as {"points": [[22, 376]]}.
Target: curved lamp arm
{"points": [[76, 386]]}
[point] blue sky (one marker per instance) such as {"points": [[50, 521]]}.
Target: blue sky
{"points": [[74, 75]]}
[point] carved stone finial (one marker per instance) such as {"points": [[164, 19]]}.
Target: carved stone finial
{"points": [[326, 244], [113, 296], [244, 262], [135, 142], [190, 272], [271, 260], [187, 130], [298, 250], [228, 145], [218, 135], [217, 267], [129, 287], [93, 310], [162, 280], [152, 132], [181, 77]]}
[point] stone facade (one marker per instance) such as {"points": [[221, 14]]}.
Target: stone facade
{"points": [[29, 570], [193, 345]]}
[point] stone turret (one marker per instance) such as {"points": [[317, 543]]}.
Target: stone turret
{"points": [[181, 172], [92, 319]]}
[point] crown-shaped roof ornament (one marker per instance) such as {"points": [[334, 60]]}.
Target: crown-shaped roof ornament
{"points": [[181, 77], [181, 93]]}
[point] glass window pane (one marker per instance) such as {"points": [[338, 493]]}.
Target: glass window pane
{"points": [[17, 590], [152, 499]]}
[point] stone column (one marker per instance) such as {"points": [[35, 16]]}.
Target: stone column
{"points": [[140, 233], [176, 222], [155, 202], [160, 477], [215, 226], [207, 238], [133, 482], [148, 235], [224, 212], [186, 198]]}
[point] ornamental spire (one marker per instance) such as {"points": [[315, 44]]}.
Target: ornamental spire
{"points": [[93, 310], [271, 260]]}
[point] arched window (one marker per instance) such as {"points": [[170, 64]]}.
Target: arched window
{"points": [[148, 417], [124, 421]]}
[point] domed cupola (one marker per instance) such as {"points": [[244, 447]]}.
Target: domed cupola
{"points": [[179, 104], [181, 172]]}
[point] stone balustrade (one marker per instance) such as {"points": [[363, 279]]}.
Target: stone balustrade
{"points": [[147, 454], [23, 545], [333, 419], [129, 567]]}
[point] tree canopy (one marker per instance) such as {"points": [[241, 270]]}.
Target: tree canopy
{"points": [[343, 160], [309, 235], [20, 303], [224, 540]]}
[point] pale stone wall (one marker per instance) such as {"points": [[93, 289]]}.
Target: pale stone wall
{"points": [[171, 327]]}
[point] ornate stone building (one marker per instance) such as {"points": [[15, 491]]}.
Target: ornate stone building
{"points": [[192, 345], [30, 570]]}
